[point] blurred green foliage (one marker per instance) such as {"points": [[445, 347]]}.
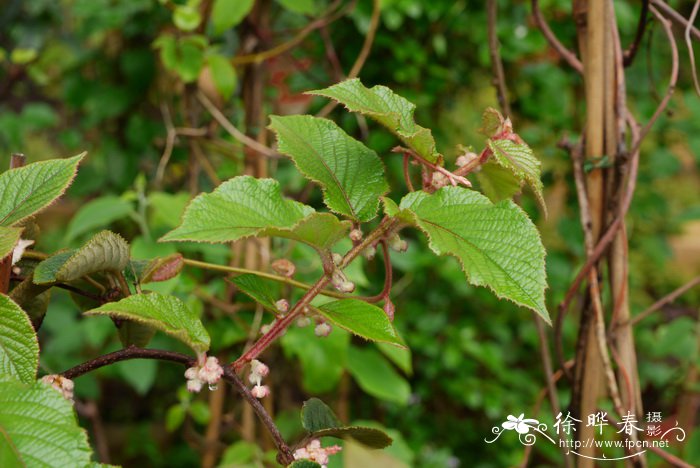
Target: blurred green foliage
{"points": [[96, 75]]}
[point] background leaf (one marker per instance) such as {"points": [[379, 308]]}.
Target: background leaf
{"points": [[264, 292], [389, 109], [316, 416], [509, 259], [27, 190], [98, 213], [521, 161], [375, 376], [223, 74], [165, 313], [226, 14], [19, 348], [350, 174], [361, 318], [39, 428]]}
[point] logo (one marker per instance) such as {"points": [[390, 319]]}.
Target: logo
{"points": [[632, 437]]}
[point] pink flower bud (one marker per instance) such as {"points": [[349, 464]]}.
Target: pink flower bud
{"points": [[194, 386], [211, 372], [337, 258], [259, 368], [389, 309], [283, 267], [282, 305], [370, 252], [356, 235], [303, 322], [260, 391], [191, 373], [438, 180], [61, 384], [466, 158]]}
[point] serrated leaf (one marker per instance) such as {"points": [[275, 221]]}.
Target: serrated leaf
{"points": [[226, 14], [165, 313], [521, 161], [45, 272], [316, 416], [389, 109], [9, 236], [162, 268], [350, 174], [497, 245], [98, 213], [106, 251], [319, 230], [27, 190], [262, 291], [497, 182], [245, 206], [223, 74], [361, 318], [401, 357], [38, 428], [376, 376], [19, 348], [369, 436]]}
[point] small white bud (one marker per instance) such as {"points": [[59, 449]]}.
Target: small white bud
{"points": [[370, 252], [258, 368], [303, 322], [323, 330], [439, 180], [398, 244], [346, 286], [282, 305], [191, 373], [265, 329], [356, 235], [260, 391], [466, 158], [337, 258]]}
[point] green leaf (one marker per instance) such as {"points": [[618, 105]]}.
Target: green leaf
{"points": [[322, 360], [316, 416], [165, 313], [9, 236], [186, 17], [27, 190], [106, 251], [240, 207], [350, 174], [319, 230], [401, 357], [226, 14], [376, 376], [184, 56], [19, 348], [497, 182], [223, 74], [303, 7], [521, 161], [492, 123], [389, 109], [304, 464], [361, 318], [45, 272], [368, 436], [32, 298], [38, 428], [98, 213], [265, 292], [497, 245]]}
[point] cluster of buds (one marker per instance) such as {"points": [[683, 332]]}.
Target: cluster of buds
{"points": [[206, 371], [282, 306], [323, 329], [398, 244], [258, 371], [338, 278], [314, 452], [63, 385]]}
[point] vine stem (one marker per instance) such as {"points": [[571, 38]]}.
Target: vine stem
{"points": [[386, 226], [132, 352], [270, 276]]}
